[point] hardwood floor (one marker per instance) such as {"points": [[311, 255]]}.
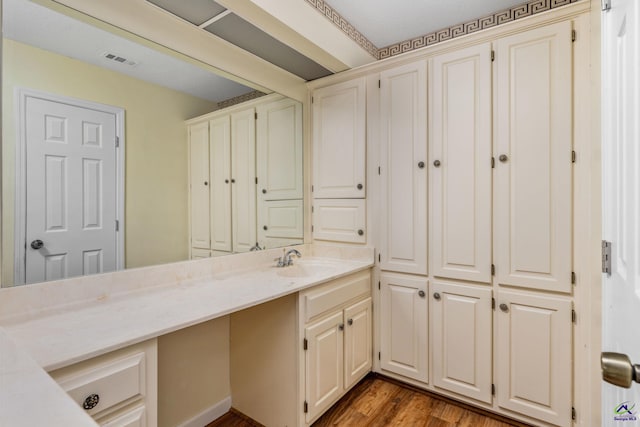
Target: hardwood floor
{"points": [[378, 401]]}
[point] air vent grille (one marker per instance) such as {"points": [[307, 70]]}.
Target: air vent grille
{"points": [[117, 58]]}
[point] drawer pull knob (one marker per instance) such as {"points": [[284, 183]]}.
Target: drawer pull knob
{"points": [[421, 293], [421, 165], [437, 296], [503, 158], [504, 307], [91, 401], [350, 322], [360, 232], [359, 186]]}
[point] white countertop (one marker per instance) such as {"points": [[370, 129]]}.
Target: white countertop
{"points": [[101, 320]]}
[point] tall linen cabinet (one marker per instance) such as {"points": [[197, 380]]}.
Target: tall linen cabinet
{"points": [[473, 192]]}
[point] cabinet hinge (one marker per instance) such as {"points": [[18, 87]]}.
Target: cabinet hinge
{"points": [[573, 413], [305, 344], [306, 407], [493, 270], [493, 389], [379, 170], [256, 180], [379, 84], [606, 257], [312, 209], [312, 99], [606, 5], [379, 356], [312, 228], [493, 163], [573, 35], [117, 225], [573, 156], [312, 188], [379, 258], [493, 303], [573, 277], [493, 55], [117, 141], [255, 115], [574, 317], [379, 285]]}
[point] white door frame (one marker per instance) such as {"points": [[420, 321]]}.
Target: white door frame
{"points": [[20, 211]]}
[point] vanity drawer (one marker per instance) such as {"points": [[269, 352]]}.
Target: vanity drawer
{"points": [[326, 297], [109, 383]]}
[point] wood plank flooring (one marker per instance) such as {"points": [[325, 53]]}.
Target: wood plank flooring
{"points": [[378, 401]]}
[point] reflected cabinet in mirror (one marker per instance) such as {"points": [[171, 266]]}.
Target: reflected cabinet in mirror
{"points": [[117, 153]]}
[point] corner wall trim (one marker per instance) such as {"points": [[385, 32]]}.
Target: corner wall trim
{"points": [[210, 414]]}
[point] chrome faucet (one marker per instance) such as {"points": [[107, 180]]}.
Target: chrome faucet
{"points": [[286, 260]]}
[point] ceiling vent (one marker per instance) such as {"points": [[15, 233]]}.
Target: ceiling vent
{"points": [[117, 58]]}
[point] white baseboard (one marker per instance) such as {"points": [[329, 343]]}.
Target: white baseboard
{"points": [[208, 415]]}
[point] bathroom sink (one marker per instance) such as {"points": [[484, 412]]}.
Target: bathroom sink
{"points": [[308, 268]]}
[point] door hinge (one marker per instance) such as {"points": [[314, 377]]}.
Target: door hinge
{"points": [[574, 316], [256, 180], [379, 84], [312, 228], [493, 389], [493, 55], [256, 115], [379, 170], [573, 413], [312, 188], [379, 258], [305, 344], [573, 156], [306, 407], [493, 303], [117, 141], [573, 35], [312, 99], [493, 163], [606, 5], [312, 209], [379, 287], [379, 356], [606, 257], [573, 277], [117, 225], [493, 270]]}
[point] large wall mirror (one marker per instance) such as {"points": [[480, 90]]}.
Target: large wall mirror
{"points": [[96, 161]]}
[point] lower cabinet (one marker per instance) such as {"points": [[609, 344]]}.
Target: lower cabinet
{"points": [[118, 389], [403, 325], [337, 340]]}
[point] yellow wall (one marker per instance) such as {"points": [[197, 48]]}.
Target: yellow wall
{"points": [[155, 140], [193, 371]]}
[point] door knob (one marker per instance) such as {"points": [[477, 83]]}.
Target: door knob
{"points": [[437, 296], [436, 163], [503, 158], [264, 191], [421, 165], [504, 307], [359, 186], [618, 370], [421, 294], [37, 244]]}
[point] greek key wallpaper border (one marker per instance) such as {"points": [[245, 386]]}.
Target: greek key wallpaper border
{"points": [[498, 18], [240, 98]]}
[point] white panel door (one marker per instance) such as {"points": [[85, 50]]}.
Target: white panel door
{"points": [[71, 196], [621, 200], [279, 148], [403, 320], [403, 134], [358, 338], [340, 220], [461, 330], [534, 356], [199, 184], [324, 360], [460, 167], [243, 176], [339, 140], [220, 163], [533, 172]]}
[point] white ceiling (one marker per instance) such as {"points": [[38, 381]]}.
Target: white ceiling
{"points": [[39, 26], [386, 22]]}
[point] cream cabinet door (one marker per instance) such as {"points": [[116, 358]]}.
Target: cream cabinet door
{"points": [[461, 330], [279, 150], [339, 220], [533, 172], [324, 364], [357, 341], [460, 165], [220, 161], [534, 356], [403, 320], [199, 184], [279, 219], [243, 175], [339, 123], [403, 134]]}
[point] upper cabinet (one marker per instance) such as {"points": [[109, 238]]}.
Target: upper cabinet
{"points": [[403, 139], [533, 150], [338, 148], [460, 166]]}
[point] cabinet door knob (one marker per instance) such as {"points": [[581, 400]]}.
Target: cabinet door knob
{"points": [[359, 186], [436, 296], [421, 293], [91, 401], [421, 165], [436, 163], [360, 232], [226, 181], [504, 307], [350, 322], [503, 158], [206, 183], [265, 228], [233, 181], [264, 191], [341, 326]]}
